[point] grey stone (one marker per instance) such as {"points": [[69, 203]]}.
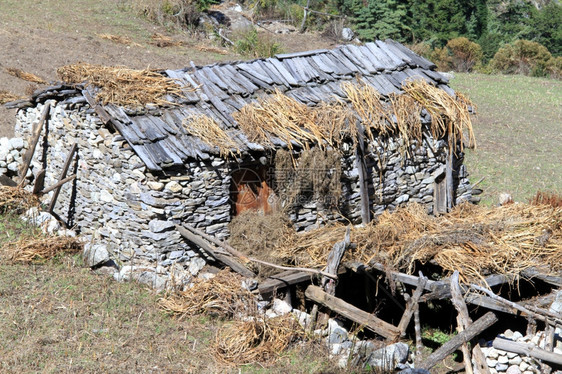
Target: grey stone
{"points": [[281, 307], [556, 306], [347, 34], [195, 265], [95, 254], [175, 254], [501, 367], [158, 226], [337, 335], [389, 357]]}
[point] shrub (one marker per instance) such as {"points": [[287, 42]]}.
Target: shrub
{"points": [[523, 57], [184, 13], [252, 44], [554, 67], [464, 54]]}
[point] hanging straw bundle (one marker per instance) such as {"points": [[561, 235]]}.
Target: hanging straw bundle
{"points": [[210, 132], [121, 85], [256, 340], [285, 118], [6, 97], [221, 296]]}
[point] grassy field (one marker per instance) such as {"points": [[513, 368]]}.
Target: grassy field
{"points": [[518, 132]]}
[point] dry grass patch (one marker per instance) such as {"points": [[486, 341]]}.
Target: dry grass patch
{"points": [[547, 198], [18, 73], [163, 41], [27, 250], [121, 85], [220, 296], [119, 39], [257, 340], [16, 200], [212, 49]]}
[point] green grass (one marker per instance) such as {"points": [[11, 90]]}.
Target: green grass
{"points": [[518, 133]]}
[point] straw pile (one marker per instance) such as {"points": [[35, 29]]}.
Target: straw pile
{"points": [[285, 118], [163, 41], [6, 97], [26, 250], [18, 73], [209, 131], [119, 39], [256, 340], [221, 296], [121, 85], [16, 200], [211, 49], [474, 240]]}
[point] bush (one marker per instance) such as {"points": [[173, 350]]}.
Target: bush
{"points": [[554, 67], [464, 54], [523, 57], [252, 44], [184, 13]]}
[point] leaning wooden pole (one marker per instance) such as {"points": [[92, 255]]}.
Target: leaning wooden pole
{"points": [[28, 157]]}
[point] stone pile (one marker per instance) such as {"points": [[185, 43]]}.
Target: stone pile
{"points": [[11, 155], [500, 361]]}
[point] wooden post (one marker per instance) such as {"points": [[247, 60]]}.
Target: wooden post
{"points": [[304, 17], [28, 157], [452, 345], [333, 262], [62, 177], [463, 322], [417, 329], [362, 171], [449, 179], [527, 349]]}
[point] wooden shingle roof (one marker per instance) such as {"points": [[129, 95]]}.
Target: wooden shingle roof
{"points": [[159, 138]]}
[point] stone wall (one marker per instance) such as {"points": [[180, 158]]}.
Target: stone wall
{"points": [[117, 204], [395, 177], [11, 156]]}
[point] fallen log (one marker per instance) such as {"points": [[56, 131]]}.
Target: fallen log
{"points": [[227, 260], [527, 349], [452, 345], [353, 313]]}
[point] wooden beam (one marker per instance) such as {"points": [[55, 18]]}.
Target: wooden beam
{"points": [[333, 263], [449, 178], [353, 313], [412, 305], [528, 350], [39, 182], [28, 157], [58, 184], [282, 280], [452, 345], [62, 176], [204, 244]]}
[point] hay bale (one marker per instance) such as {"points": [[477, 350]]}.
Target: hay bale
{"points": [[18, 73], [121, 85], [16, 200], [258, 340], [221, 296], [27, 250]]}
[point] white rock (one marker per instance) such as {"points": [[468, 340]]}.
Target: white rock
{"points": [[17, 143], [95, 254], [173, 186], [156, 186], [491, 362], [515, 360], [503, 359], [5, 145], [196, 265], [347, 34], [524, 366], [281, 307], [335, 349], [492, 353], [389, 357], [517, 335]]}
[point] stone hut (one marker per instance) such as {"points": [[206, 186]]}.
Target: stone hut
{"points": [[140, 171]]}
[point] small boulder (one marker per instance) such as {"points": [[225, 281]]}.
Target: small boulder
{"points": [[95, 254], [388, 358], [347, 34]]}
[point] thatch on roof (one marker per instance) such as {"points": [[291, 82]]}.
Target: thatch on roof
{"points": [[122, 86], [210, 132]]}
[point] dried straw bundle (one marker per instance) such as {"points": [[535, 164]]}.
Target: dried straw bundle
{"points": [[474, 240], [119, 39], [285, 118], [16, 200], [163, 41], [18, 73], [26, 250], [401, 114], [209, 131], [257, 340], [122, 86], [221, 296], [6, 97], [211, 49], [449, 115], [547, 198]]}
